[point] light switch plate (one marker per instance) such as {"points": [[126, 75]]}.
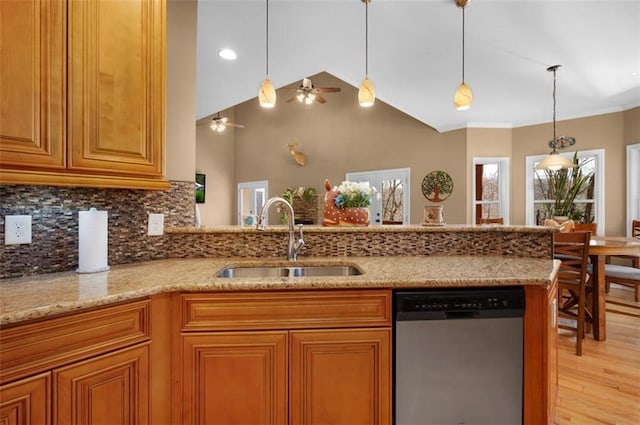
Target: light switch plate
{"points": [[156, 225], [17, 229]]}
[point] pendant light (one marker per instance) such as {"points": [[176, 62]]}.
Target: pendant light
{"points": [[463, 97], [366, 93], [555, 161], [267, 93]]}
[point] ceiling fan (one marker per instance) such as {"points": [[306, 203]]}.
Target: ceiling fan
{"points": [[219, 123], [308, 93]]}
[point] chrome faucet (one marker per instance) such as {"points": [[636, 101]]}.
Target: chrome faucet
{"points": [[261, 224]]}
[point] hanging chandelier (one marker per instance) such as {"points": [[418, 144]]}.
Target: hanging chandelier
{"points": [[554, 161]]}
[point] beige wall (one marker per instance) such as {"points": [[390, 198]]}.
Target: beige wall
{"points": [[339, 137], [631, 119], [181, 89], [215, 159]]}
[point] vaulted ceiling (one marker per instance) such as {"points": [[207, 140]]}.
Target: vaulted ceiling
{"points": [[415, 55]]}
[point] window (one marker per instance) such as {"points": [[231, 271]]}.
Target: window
{"points": [[540, 201], [393, 206], [633, 184], [251, 198], [491, 183]]}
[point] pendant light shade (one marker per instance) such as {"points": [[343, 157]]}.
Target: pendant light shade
{"points": [[555, 161], [267, 93], [463, 97], [366, 93]]}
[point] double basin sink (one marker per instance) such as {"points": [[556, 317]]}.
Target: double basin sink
{"points": [[289, 271]]}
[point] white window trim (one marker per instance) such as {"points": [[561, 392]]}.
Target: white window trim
{"points": [[598, 190], [504, 173], [253, 186], [375, 177], [633, 185]]}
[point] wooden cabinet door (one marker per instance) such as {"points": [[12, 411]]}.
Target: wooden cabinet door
{"points": [[26, 401], [110, 389], [340, 376], [32, 83], [234, 378], [116, 86]]}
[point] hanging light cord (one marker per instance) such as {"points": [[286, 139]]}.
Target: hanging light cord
{"points": [[267, 49], [463, 44], [366, 39], [554, 109]]}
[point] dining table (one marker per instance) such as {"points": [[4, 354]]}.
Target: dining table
{"points": [[599, 248]]}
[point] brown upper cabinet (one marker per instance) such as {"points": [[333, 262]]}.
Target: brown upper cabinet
{"points": [[83, 93]]}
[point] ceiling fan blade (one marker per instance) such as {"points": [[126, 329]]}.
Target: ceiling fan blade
{"points": [[328, 89], [291, 99], [320, 99], [232, 124]]}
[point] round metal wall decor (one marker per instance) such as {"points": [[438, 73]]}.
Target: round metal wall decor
{"points": [[437, 186]]}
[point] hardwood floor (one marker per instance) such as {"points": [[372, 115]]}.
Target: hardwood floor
{"points": [[603, 386]]}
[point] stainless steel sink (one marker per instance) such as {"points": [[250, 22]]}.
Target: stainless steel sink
{"points": [[285, 271]]}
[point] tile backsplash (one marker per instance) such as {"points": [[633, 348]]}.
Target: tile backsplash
{"points": [[54, 212]]}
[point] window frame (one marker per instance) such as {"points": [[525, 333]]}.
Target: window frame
{"points": [[598, 191], [254, 186], [504, 174], [375, 178], [633, 185]]}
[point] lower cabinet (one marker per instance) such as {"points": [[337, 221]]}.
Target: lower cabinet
{"points": [[84, 368], [340, 376], [26, 401], [110, 389], [301, 372], [235, 378]]}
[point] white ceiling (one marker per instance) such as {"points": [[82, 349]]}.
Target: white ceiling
{"points": [[415, 55]]}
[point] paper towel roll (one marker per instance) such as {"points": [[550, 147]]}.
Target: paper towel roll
{"points": [[92, 241]]}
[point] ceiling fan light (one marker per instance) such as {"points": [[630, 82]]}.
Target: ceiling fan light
{"points": [[463, 97], [267, 94], [366, 94], [555, 162]]}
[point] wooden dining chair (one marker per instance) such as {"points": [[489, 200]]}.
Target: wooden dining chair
{"points": [[492, 220], [574, 288], [585, 227], [625, 275]]}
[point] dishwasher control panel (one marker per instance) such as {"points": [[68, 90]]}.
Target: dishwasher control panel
{"points": [[462, 303]]}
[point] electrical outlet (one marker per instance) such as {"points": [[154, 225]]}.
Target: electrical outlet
{"points": [[17, 229], [156, 225]]}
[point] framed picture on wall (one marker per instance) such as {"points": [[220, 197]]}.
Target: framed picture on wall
{"points": [[200, 188]]}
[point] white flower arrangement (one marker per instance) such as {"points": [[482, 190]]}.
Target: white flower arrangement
{"points": [[355, 194]]}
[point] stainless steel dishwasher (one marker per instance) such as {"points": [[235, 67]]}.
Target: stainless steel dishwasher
{"points": [[458, 356]]}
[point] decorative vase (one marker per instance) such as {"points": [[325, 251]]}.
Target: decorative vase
{"points": [[560, 218], [433, 215], [355, 216]]}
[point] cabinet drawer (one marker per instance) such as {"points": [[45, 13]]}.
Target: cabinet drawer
{"points": [[285, 310], [34, 347]]}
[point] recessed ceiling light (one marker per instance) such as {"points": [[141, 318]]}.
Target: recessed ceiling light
{"points": [[227, 54]]}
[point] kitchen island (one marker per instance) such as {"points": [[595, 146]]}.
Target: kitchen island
{"points": [[168, 330]]}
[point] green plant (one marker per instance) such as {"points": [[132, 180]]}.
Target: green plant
{"points": [[564, 186]]}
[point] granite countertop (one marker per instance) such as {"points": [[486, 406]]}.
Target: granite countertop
{"points": [[35, 297], [368, 229]]}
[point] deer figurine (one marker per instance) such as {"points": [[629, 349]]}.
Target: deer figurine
{"points": [[334, 216], [298, 156]]}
